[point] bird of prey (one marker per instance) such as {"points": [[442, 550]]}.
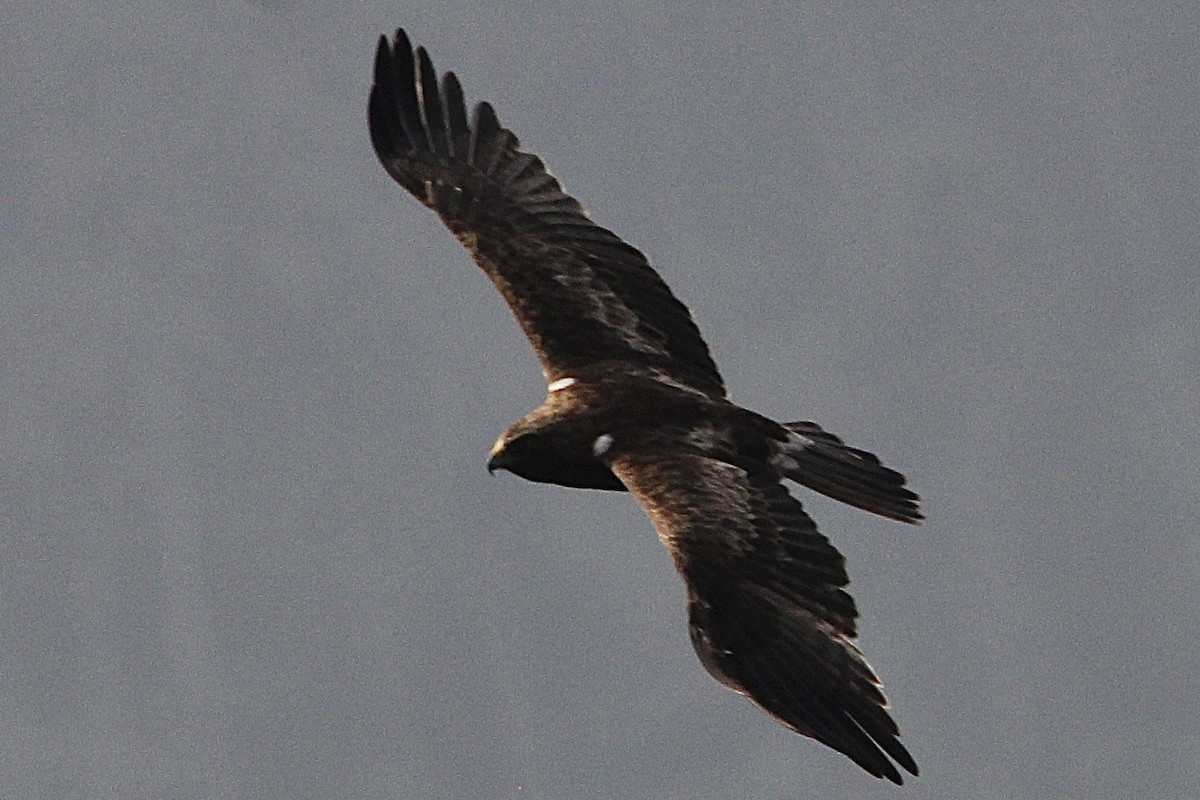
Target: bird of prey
{"points": [[635, 403]]}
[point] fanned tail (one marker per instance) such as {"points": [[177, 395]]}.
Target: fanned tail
{"points": [[819, 460]]}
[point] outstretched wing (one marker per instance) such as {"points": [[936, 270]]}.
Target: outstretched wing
{"points": [[581, 294], [767, 610]]}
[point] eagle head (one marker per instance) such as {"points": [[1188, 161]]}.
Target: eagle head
{"points": [[560, 453]]}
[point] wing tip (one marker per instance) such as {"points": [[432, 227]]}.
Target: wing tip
{"points": [[383, 62], [402, 42]]}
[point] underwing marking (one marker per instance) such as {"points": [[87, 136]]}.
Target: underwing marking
{"points": [[602, 444]]}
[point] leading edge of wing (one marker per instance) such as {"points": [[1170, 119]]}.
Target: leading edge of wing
{"points": [[768, 613], [581, 294]]}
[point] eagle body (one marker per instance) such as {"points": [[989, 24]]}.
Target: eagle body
{"points": [[635, 403], [557, 442]]}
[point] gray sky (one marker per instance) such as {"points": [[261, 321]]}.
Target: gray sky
{"points": [[250, 549]]}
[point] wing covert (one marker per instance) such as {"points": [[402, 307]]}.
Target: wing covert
{"points": [[580, 293]]}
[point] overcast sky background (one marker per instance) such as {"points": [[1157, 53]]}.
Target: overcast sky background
{"points": [[249, 546]]}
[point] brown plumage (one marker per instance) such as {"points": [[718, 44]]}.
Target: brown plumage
{"points": [[636, 403]]}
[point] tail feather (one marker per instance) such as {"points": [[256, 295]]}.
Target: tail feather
{"points": [[820, 460]]}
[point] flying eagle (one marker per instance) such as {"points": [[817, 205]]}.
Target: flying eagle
{"points": [[635, 403]]}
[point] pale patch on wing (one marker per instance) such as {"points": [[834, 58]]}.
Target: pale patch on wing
{"points": [[663, 377], [602, 444], [783, 462], [799, 440], [560, 384], [704, 437], [784, 457]]}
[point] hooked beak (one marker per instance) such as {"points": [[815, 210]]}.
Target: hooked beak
{"points": [[496, 459]]}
